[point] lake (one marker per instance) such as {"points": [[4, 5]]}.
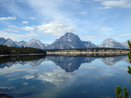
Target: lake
{"points": [[64, 76]]}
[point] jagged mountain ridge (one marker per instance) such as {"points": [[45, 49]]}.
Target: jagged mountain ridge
{"points": [[35, 43], [67, 41], [21, 43], [8, 42], [125, 44], [70, 41]]}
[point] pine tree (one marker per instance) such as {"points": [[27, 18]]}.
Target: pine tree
{"points": [[125, 93], [118, 91]]}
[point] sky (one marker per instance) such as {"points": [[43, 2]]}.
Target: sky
{"points": [[47, 20]]}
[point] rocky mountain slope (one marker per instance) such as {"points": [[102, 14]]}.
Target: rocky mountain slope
{"points": [[35, 43], [8, 42], [111, 43], [69, 41]]}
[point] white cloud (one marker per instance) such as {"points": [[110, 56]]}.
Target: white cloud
{"points": [[28, 77], [53, 10], [11, 30], [89, 67], [32, 18], [124, 35], [77, 0], [105, 28], [86, 1], [55, 28], [114, 3], [8, 18], [89, 37], [4, 87], [25, 22], [55, 77], [27, 28], [82, 13], [25, 83], [12, 26], [17, 36], [14, 69]]}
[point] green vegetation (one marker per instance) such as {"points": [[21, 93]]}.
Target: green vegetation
{"points": [[129, 53], [118, 91], [129, 44], [23, 50], [129, 56], [129, 70], [126, 94]]}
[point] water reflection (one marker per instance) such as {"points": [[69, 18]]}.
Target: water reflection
{"points": [[114, 60], [69, 64], [10, 60], [63, 77]]}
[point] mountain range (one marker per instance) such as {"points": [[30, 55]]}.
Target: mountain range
{"points": [[67, 41]]}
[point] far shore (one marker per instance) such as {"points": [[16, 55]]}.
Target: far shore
{"points": [[2, 55], [88, 52], [75, 52], [61, 52]]}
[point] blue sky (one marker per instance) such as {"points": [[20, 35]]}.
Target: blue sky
{"points": [[47, 20]]}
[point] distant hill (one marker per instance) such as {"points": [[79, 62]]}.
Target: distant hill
{"points": [[67, 41]]}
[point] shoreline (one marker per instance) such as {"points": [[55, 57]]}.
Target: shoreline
{"points": [[74, 52], [60, 53], [84, 52], [93, 51], [87, 54], [3, 55]]}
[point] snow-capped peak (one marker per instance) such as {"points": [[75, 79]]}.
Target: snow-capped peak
{"points": [[110, 40], [34, 40], [10, 43], [111, 43], [35, 43]]}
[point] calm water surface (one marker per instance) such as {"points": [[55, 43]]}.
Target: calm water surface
{"points": [[65, 77]]}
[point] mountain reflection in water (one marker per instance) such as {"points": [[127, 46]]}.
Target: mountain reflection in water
{"points": [[63, 76], [68, 63]]}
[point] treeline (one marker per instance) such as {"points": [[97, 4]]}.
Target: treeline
{"points": [[22, 50]]}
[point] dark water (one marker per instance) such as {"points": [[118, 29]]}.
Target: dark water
{"points": [[64, 77]]}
